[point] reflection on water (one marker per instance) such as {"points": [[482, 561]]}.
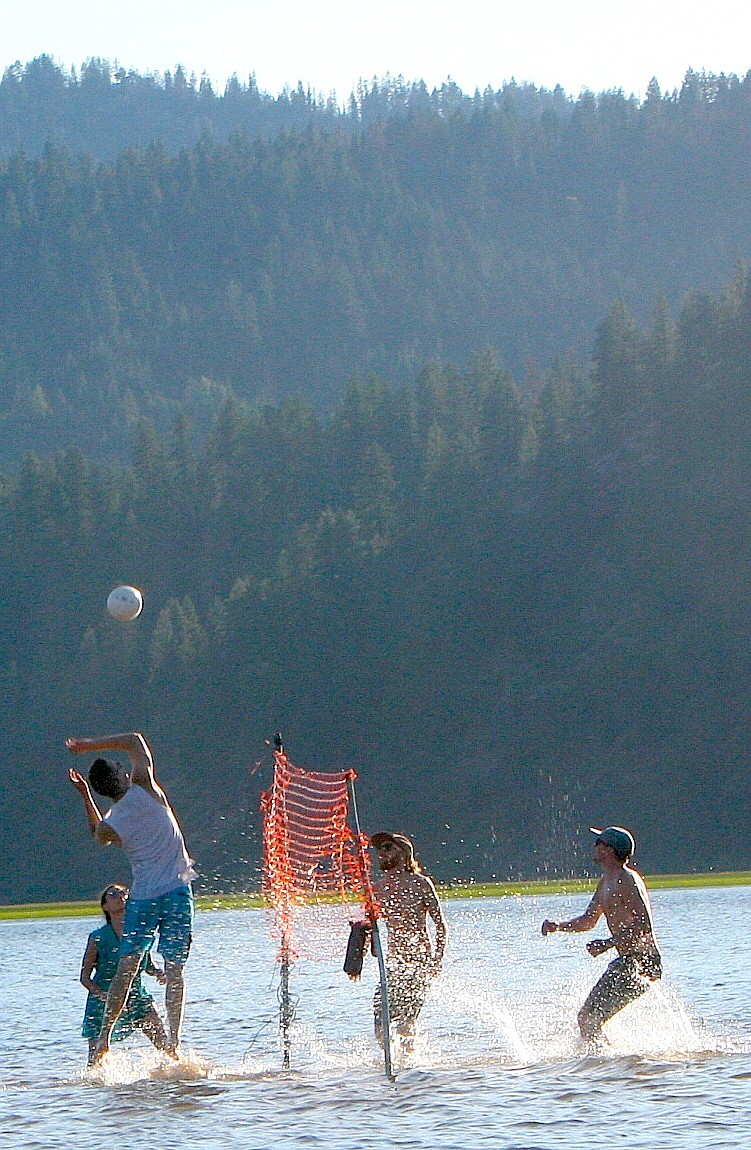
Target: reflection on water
{"points": [[497, 1062]]}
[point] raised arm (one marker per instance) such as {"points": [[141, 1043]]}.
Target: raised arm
{"points": [[135, 747], [102, 831]]}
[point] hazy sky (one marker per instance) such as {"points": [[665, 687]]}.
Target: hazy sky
{"points": [[596, 44]]}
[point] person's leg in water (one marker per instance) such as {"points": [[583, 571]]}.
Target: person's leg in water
{"points": [[408, 984], [174, 1001], [395, 1018], [139, 927], [117, 996], [175, 941], [153, 1028], [622, 982], [406, 1028]]}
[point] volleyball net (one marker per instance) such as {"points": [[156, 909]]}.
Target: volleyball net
{"points": [[316, 875], [317, 883]]}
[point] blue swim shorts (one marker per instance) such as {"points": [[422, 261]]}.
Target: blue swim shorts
{"points": [[171, 915]]}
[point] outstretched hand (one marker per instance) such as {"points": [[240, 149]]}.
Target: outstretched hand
{"points": [[549, 927], [78, 746], [78, 781]]}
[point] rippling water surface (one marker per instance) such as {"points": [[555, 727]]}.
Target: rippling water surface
{"points": [[497, 1064]]}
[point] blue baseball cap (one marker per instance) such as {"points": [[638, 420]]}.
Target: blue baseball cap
{"points": [[621, 840]]}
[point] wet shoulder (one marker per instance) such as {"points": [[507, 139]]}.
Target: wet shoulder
{"points": [[637, 882], [425, 886]]}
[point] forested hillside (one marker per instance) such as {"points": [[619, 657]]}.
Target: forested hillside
{"points": [[515, 619], [257, 248]]}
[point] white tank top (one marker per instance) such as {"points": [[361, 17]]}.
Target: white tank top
{"points": [[153, 842]]}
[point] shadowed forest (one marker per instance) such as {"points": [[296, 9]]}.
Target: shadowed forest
{"points": [[424, 427], [284, 247]]}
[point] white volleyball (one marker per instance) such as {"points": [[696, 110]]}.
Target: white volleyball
{"points": [[124, 603]]}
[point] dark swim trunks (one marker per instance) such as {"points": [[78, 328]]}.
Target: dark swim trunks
{"points": [[626, 978]]}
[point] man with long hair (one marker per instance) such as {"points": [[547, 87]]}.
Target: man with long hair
{"points": [[407, 898]]}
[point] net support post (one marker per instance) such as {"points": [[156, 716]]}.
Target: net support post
{"points": [[385, 1012], [285, 1010], [377, 944]]}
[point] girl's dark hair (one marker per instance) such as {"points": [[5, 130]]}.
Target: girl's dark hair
{"points": [[103, 897]]}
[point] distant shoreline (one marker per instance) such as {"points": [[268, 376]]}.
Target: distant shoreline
{"points": [[450, 890]]}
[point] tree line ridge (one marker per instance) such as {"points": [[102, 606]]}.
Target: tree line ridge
{"points": [[422, 423], [510, 616]]}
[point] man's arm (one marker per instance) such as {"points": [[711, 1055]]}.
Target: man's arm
{"points": [[583, 922], [627, 939], [134, 745], [435, 910], [150, 968], [101, 830]]}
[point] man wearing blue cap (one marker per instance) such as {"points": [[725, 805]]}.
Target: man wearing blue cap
{"points": [[622, 897]]}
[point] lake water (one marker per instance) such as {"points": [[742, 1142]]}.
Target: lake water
{"points": [[497, 1064]]}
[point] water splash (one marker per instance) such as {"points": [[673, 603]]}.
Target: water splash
{"points": [[123, 1067], [659, 1026], [468, 1005]]}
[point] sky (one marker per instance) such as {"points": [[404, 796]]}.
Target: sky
{"points": [[329, 45]]}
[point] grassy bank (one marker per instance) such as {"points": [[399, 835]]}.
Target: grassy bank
{"points": [[453, 890], [569, 885], [78, 909]]}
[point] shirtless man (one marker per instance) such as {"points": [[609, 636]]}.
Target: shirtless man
{"points": [[622, 897], [141, 822], [406, 898]]}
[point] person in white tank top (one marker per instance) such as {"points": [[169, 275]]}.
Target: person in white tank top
{"points": [[142, 823]]}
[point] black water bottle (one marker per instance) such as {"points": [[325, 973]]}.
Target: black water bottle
{"points": [[358, 939]]}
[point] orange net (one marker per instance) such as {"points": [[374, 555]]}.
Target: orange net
{"points": [[316, 870]]}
